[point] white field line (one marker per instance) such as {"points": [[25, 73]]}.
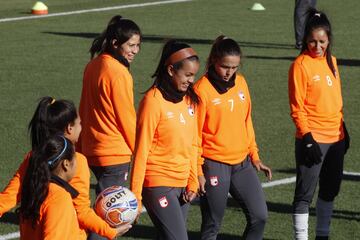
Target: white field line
{"points": [[353, 174], [91, 10], [264, 185], [279, 182], [10, 236]]}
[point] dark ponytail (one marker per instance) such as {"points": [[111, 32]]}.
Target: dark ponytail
{"points": [[42, 162], [222, 47], [161, 74], [118, 28], [51, 117], [317, 19]]}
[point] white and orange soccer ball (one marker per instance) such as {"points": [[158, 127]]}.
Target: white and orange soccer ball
{"points": [[116, 205]]}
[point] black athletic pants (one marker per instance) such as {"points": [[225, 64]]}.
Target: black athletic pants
{"points": [[242, 182], [328, 173]]}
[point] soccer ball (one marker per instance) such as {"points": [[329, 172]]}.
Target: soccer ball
{"points": [[116, 205]]}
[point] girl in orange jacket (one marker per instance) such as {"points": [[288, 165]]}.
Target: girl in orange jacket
{"points": [[60, 117], [164, 175], [321, 137], [228, 150], [107, 104], [46, 209]]}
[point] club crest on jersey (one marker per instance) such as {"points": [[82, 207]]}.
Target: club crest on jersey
{"points": [[241, 96], [191, 111], [216, 101], [214, 181], [170, 115], [163, 202]]}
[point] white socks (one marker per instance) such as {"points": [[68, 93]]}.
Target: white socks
{"points": [[300, 222], [324, 211]]}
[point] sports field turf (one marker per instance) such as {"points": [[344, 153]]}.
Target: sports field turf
{"points": [[47, 56]]}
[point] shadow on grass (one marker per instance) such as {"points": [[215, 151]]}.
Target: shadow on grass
{"points": [[284, 208], [346, 176], [149, 232], [340, 61], [161, 39], [10, 217]]}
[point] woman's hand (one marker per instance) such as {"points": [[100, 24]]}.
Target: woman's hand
{"points": [[122, 229], [262, 167], [202, 182], [188, 196]]}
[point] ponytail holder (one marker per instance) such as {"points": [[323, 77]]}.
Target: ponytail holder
{"points": [[51, 162], [52, 101], [317, 14], [180, 55]]}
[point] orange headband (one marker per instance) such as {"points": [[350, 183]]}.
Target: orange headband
{"points": [[180, 55]]}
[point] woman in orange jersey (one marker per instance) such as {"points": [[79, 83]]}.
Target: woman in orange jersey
{"points": [[164, 173], [107, 104], [60, 117], [228, 151], [46, 209], [321, 136]]}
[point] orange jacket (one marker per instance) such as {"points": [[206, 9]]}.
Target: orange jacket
{"points": [[88, 220], [57, 218], [315, 98], [107, 112], [225, 128], [166, 145]]}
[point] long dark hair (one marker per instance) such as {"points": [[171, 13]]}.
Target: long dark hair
{"points": [[51, 117], [118, 28], [47, 157], [161, 74], [317, 19], [222, 47]]}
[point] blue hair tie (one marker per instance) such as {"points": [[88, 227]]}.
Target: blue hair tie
{"points": [[52, 161]]}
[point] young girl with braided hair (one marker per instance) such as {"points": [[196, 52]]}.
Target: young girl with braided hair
{"points": [[46, 209]]}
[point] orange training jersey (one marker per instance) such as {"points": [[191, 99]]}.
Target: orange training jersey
{"points": [[107, 112], [57, 218], [166, 144], [225, 128], [87, 218], [315, 98]]}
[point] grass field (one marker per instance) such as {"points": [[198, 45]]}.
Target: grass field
{"points": [[47, 56]]}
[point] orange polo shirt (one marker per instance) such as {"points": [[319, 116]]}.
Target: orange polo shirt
{"points": [[87, 218], [166, 144], [107, 112], [57, 219], [315, 99], [225, 128]]}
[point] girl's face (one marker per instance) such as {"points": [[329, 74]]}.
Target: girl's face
{"points": [[317, 42], [130, 48], [73, 131], [227, 66], [183, 77]]}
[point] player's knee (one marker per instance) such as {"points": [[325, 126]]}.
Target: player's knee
{"points": [[259, 219], [328, 196]]}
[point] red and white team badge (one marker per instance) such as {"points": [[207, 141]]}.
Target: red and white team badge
{"points": [[163, 202], [214, 181], [191, 111], [241, 95]]}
